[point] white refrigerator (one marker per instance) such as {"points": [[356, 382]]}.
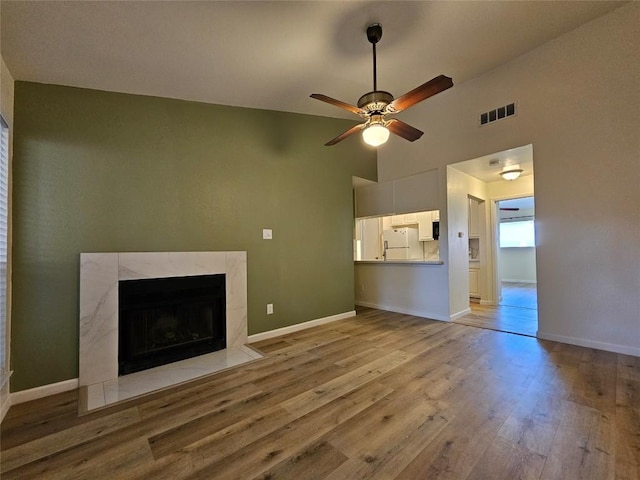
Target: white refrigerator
{"points": [[401, 244]]}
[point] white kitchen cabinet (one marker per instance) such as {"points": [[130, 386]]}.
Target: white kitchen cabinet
{"points": [[425, 226], [474, 218], [374, 200], [474, 282], [416, 193], [410, 218], [409, 194], [404, 220], [371, 239]]}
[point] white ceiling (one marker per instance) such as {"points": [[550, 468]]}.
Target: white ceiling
{"points": [[525, 203], [273, 55], [484, 169]]}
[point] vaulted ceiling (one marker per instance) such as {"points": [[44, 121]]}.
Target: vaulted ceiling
{"points": [[272, 55]]}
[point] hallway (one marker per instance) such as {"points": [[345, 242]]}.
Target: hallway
{"points": [[522, 295], [517, 312]]}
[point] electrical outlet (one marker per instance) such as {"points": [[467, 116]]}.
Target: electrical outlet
{"points": [[362, 287], [267, 234], [269, 308]]}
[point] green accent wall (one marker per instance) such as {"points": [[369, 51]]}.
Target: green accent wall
{"points": [[98, 171]]}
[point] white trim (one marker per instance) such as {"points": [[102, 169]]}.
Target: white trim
{"points": [[6, 404], [4, 378], [406, 311], [462, 313], [488, 302], [257, 337], [513, 280], [43, 391], [583, 342]]}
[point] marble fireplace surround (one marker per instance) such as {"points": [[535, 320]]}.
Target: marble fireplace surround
{"points": [[98, 353]]}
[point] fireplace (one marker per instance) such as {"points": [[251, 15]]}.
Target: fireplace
{"points": [[100, 277], [164, 320]]}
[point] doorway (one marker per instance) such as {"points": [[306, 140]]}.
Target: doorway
{"points": [[516, 253], [486, 184]]}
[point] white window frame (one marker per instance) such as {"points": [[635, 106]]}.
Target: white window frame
{"points": [[4, 251]]}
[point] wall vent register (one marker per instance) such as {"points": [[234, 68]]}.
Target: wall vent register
{"points": [[497, 114]]}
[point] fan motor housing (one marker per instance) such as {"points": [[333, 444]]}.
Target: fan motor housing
{"points": [[375, 102]]}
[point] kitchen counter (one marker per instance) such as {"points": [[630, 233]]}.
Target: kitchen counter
{"points": [[414, 287], [400, 262]]}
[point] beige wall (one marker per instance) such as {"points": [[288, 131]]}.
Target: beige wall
{"points": [[6, 108], [578, 103], [518, 264]]}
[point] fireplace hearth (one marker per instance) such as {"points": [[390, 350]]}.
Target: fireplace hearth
{"points": [[99, 329], [164, 320]]}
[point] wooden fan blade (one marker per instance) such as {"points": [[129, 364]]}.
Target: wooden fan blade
{"points": [[338, 103], [342, 136], [404, 130], [424, 91]]}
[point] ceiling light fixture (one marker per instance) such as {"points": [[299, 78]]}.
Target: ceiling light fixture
{"points": [[376, 133], [373, 106], [511, 174]]}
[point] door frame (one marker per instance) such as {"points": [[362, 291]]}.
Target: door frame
{"points": [[494, 240]]}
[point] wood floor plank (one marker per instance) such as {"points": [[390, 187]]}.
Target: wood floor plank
{"points": [[329, 391], [28, 421], [314, 462], [533, 421], [381, 444], [258, 457], [468, 434], [94, 460], [627, 439], [504, 460], [378, 396], [29, 452], [584, 445]]}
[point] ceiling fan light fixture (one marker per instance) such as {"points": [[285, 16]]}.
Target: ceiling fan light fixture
{"points": [[375, 134], [511, 174], [374, 105]]}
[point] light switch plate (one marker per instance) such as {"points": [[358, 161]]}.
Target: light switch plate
{"points": [[269, 308], [267, 234]]}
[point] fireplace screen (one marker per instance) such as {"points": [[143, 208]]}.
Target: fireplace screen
{"points": [[163, 320]]}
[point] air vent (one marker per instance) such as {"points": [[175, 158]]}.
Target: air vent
{"points": [[497, 114]]}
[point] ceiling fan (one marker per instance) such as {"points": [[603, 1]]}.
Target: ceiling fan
{"points": [[374, 106]]}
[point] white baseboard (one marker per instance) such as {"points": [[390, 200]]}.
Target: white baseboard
{"points": [[487, 302], [43, 391], [256, 337], [459, 314], [513, 280], [406, 311], [5, 408], [583, 342], [5, 399]]}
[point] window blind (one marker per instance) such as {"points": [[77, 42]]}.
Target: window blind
{"points": [[4, 221]]}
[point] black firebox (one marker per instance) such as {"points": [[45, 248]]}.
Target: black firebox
{"points": [[163, 320]]}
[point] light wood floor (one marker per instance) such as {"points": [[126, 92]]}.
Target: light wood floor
{"points": [[517, 313], [378, 396], [523, 295]]}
